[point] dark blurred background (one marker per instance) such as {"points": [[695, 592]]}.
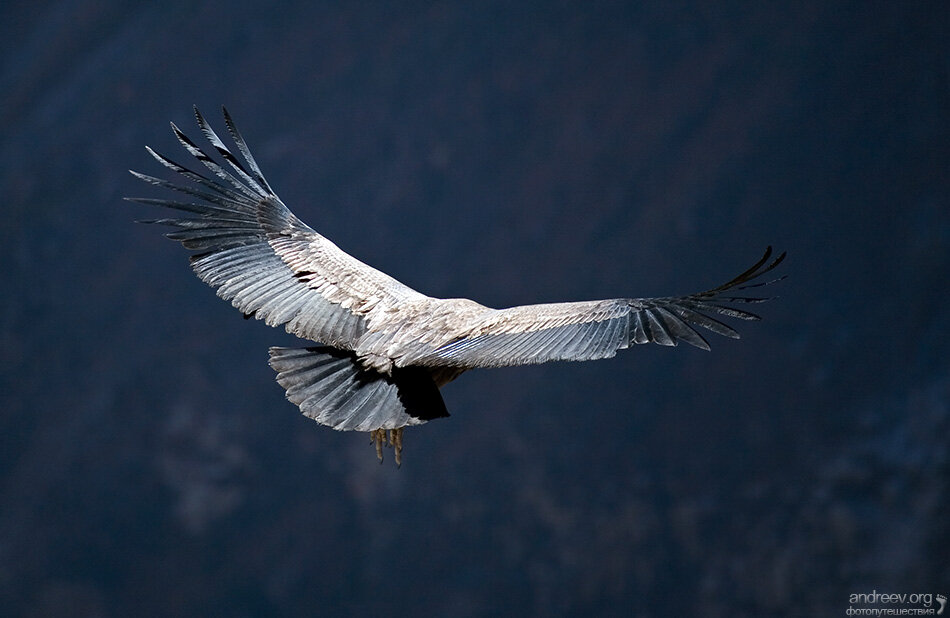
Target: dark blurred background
{"points": [[511, 153]]}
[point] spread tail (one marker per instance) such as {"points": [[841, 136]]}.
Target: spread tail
{"points": [[333, 388]]}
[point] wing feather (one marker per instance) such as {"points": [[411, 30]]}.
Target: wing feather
{"points": [[246, 152]]}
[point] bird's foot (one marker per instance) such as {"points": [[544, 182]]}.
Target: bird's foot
{"points": [[390, 437]]}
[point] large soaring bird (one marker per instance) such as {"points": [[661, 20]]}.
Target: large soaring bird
{"points": [[385, 349]]}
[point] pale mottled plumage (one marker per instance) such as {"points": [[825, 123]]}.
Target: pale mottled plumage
{"points": [[387, 348]]}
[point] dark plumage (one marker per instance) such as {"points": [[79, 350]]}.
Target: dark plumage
{"points": [[386, 349]]}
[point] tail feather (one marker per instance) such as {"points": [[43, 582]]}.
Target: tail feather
{"points": [[333, 388]]}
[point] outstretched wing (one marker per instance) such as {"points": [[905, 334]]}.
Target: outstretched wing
{"points": [[260, 256], [597, 329]]}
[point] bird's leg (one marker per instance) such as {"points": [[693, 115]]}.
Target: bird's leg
{"points": [[376, 437], [393, 438]]}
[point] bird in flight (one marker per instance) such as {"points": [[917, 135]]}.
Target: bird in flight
{"points": [[383, 350]]}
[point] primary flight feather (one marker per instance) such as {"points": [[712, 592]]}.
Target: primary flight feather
{"points": [[386, 349]]}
